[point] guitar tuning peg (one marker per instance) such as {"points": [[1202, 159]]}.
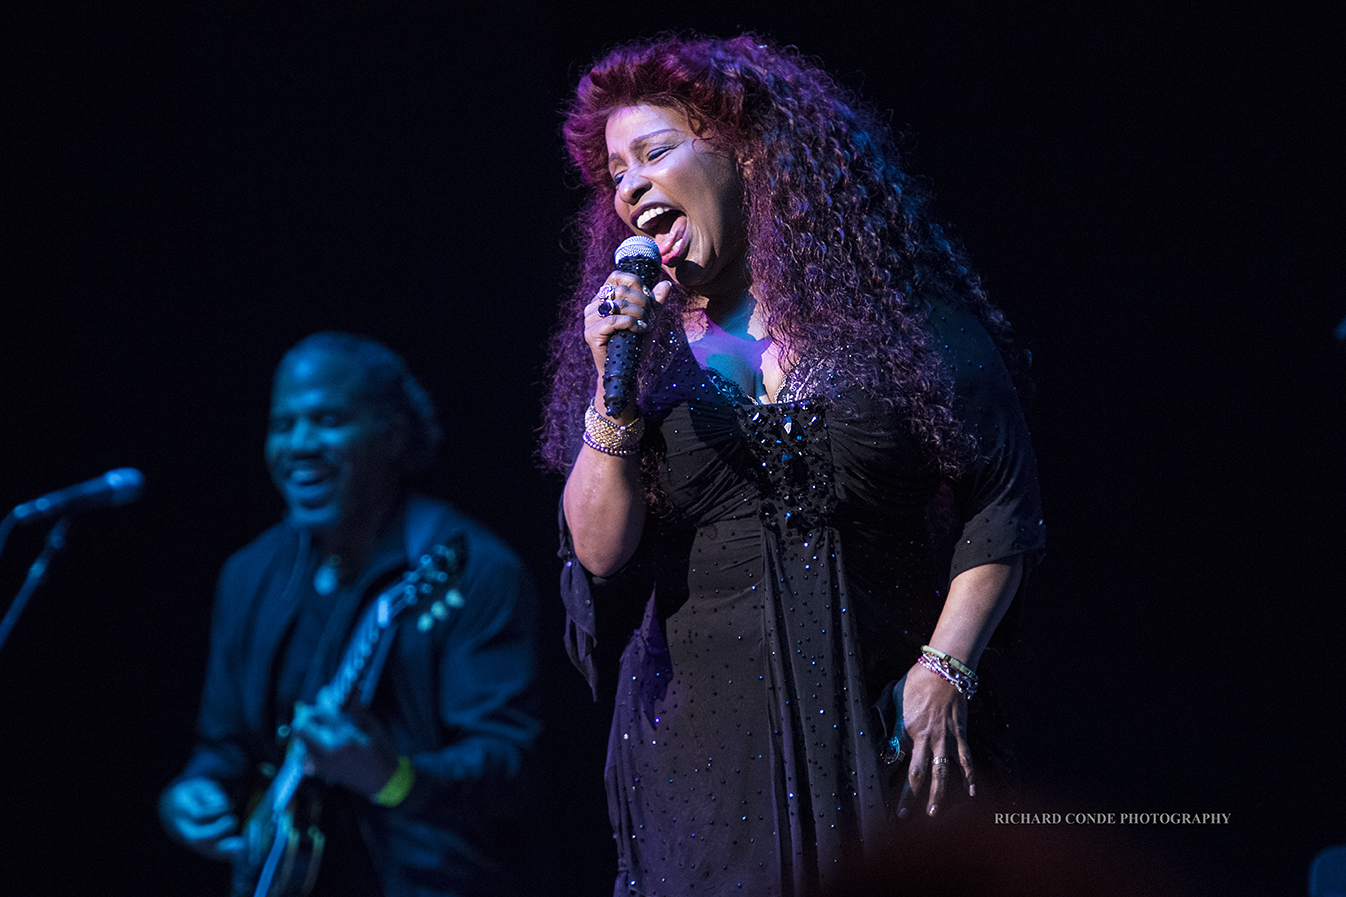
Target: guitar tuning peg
{"points": [[425, 623], [425, 588], [454, 598], [439, 610]]}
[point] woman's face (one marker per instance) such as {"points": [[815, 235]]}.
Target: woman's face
{"points": [[676, 187]]}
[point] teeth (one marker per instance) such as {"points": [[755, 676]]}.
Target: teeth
{"points": [[647, 216]]}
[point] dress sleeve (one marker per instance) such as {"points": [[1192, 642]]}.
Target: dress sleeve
{"points": [[997, 497], [581, 634], [623, 595]]}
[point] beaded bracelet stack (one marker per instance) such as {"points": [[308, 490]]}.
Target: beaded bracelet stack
{"points": [[950, 669], [619, 440]]}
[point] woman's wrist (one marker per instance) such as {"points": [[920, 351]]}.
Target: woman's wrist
{"points": [[603, 434], [950, 669]]}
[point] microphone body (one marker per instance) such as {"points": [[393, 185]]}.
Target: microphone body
{"points": [[116, 487], [638, 256]]}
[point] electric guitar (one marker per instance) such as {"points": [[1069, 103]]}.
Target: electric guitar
{"points": [[281, 853]]}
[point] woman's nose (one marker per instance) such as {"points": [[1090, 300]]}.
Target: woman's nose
{"points": [[633, 186]]}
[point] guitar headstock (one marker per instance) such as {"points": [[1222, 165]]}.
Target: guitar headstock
{"points": [[432, 586]]}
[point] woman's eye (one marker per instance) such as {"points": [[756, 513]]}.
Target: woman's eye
{"points": [[657, 152], [616, 178]]}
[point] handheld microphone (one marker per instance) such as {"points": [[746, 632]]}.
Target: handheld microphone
{"points": [[638, 256], [116, 487]]}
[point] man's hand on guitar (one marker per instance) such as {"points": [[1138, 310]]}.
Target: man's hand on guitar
{"points": [[345, 747], [199, 814]]}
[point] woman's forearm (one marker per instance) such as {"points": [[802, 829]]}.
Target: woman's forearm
{"points": [[978, 598], [605, 509]]}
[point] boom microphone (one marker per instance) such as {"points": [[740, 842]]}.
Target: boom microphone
{"points": [[116, 487], [638, 256]]}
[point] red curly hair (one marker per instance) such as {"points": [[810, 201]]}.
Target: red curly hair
{"points": [[840, 243]]}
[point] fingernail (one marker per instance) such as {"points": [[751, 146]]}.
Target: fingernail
{"points": [[902, 813], [932, 810]]}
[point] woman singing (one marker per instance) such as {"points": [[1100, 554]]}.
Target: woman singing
{"points": [[824, 496]]}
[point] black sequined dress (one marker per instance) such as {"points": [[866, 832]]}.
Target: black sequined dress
{"points": [[793, 576]]}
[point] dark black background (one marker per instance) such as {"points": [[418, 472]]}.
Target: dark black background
{"points": [[1154, 196]]}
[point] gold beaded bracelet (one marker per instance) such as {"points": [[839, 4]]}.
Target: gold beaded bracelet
{"points": [[602, 434]]}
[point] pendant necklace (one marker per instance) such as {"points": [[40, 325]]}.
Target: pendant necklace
{"points": [[327, 578]]}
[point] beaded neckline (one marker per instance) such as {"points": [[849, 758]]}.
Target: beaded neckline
{"points": [[801, 382]]}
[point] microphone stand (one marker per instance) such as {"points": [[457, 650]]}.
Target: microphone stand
{"points": [[55, 542]]}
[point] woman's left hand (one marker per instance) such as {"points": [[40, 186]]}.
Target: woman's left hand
{"points": [[934, 716], [934, 713]]}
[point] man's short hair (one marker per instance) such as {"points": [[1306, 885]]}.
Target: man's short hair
{"points": [[386, 382]]}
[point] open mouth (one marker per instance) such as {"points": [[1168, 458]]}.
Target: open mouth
{"points": [[668, 227], [656, 219], [309, 484]]}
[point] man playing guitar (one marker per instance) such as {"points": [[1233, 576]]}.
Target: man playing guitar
{"points": [[417, 764]]}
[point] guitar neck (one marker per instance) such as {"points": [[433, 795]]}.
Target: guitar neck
{"points": [[287, 781], [373, 626], [437, 571], [436, 575]]}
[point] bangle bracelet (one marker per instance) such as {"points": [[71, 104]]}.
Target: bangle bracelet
{"points": [[950, 660], [399, 785], [602, 434], [598, 446], [951, 670]]}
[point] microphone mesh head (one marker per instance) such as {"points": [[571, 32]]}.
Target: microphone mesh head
{"points": [[636, 247], [126, 483]]}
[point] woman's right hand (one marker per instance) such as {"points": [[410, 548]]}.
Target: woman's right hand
{"points": [[603, 500], [622, 303], [198, 813]]}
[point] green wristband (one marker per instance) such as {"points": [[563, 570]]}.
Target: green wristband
{"points": [[399, 785]]}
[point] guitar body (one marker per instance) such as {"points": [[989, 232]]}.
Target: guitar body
{"points": [[282, 850], [283, 845]]}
